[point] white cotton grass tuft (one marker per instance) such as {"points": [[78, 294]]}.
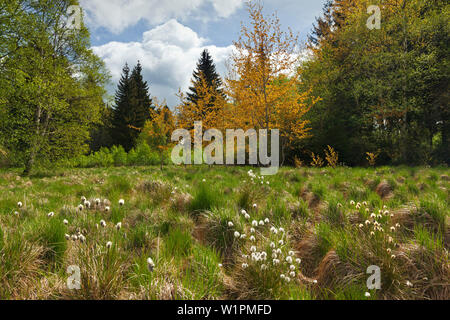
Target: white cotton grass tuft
{"points": [[252, 230], [281, 230], [292, 274], [266, 221], [119, 226], [230, 224], [80, 207], [367, 294], [50, 214], [20, 204], [87, 204], [253, 249], [261, 223], [65, 222], [121, 202], [409, 284], [82, 238], [109, 244], [247, 216], [97, 201], [237, 234], [254, 223], [67, 236], [107, 209], [16, 213], [150, 264], [243, 236], [298, 260], [83, 199], [243, 212], [255, 206], [244, 266], [252, 239], [289, 259], [103, 223]]}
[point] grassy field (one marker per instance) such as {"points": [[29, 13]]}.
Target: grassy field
{"points": [[304, 233]]}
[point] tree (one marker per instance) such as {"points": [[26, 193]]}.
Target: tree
{"points": [[54, 83], [141, 96], [206, 71], [208, 106], [263, 82], [205, 99], [132, 107], [158, 131], [382, 89]]}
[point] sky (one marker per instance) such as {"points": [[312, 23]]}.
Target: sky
{"points": [[167, 37]]}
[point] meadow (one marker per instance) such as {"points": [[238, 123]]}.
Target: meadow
{"points": [[225, 233]]}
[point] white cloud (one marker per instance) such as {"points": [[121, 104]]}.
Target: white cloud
{"points": [[117, 15], [168, 54]]}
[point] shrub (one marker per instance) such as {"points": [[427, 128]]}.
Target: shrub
{"points": [[332, 157], [119, 156]]}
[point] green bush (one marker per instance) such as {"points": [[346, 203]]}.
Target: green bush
{"points": [[119, 156]]}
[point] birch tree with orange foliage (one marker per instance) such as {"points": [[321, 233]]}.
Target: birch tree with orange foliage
{"points": [[263, 82]]}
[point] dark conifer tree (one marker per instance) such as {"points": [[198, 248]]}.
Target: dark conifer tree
{"points": [[206, 67], [141, 97], [132, 110]]}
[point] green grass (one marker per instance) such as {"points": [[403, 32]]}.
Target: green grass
{"points": [[180, 218]]}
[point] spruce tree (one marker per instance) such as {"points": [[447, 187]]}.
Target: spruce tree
{"points": [[207, 68], [121, 115], [132, 109], [141, 97]]}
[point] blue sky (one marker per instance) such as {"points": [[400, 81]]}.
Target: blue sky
{"points": [[168, 36]]}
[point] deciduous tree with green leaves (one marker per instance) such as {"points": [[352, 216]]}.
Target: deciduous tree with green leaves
{"points": [[54, 84]]}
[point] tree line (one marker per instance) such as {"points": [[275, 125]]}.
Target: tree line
{"points": [[380, 92]]}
